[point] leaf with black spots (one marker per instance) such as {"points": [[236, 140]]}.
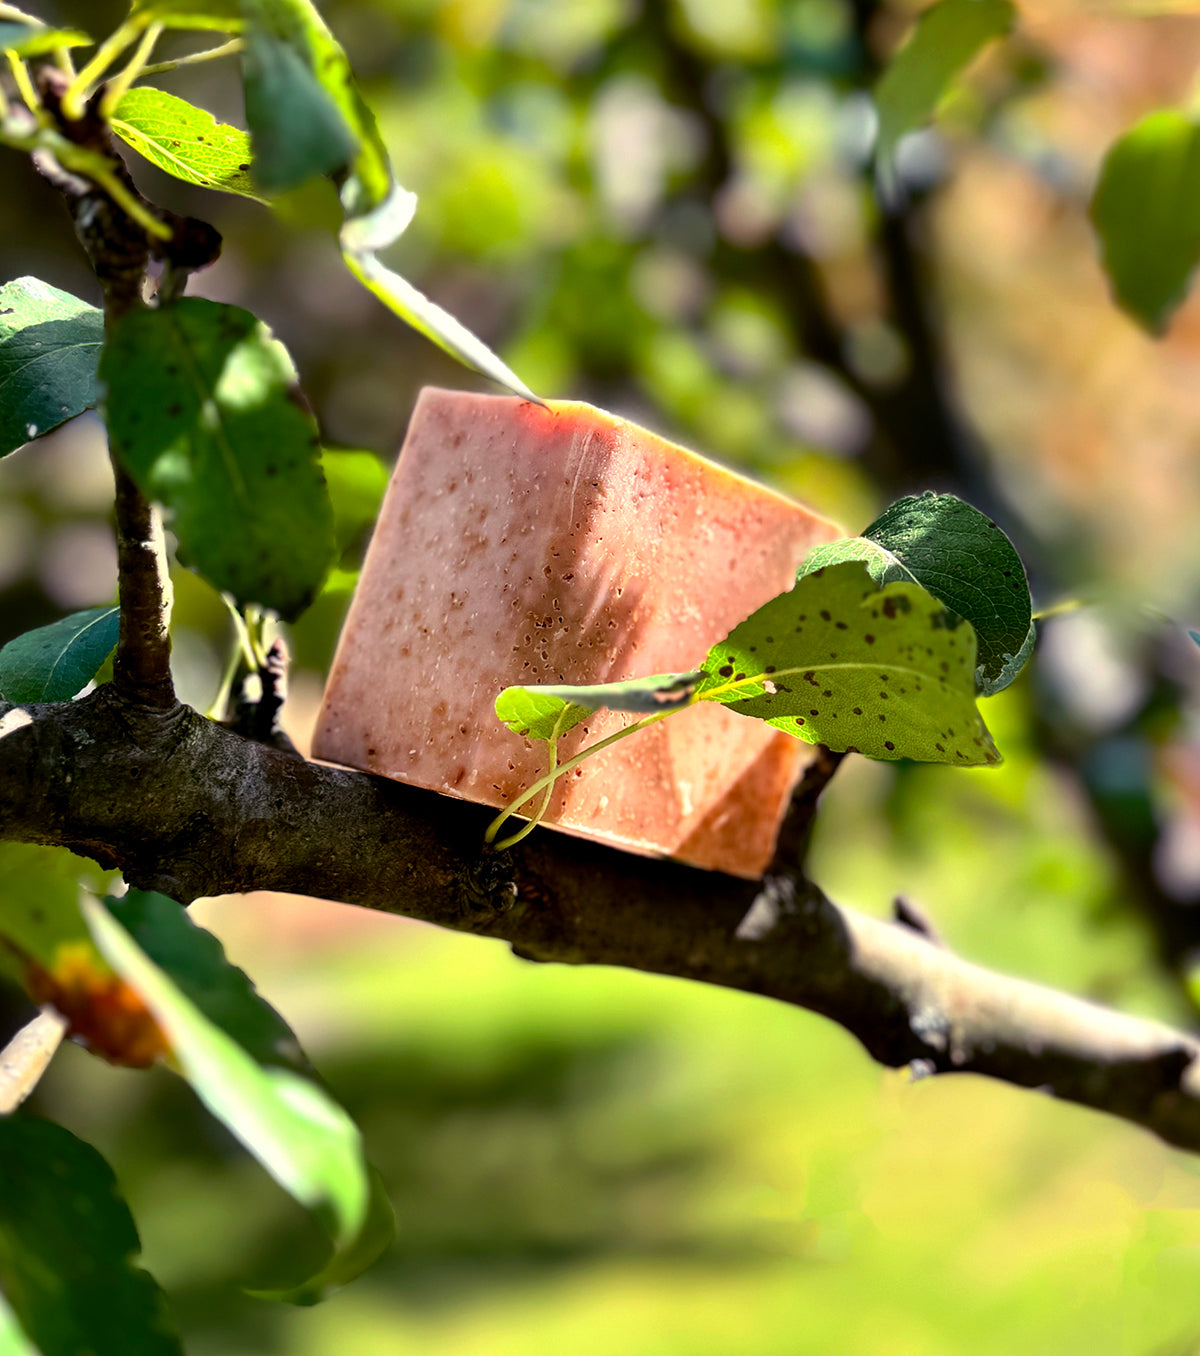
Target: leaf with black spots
{"points": [[836, 661], [184, 141]]}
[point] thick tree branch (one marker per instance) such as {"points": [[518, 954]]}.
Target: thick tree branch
{"points": [[188, 807]]}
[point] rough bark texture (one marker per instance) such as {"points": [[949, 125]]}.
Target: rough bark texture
{"points": [[188, 807]]}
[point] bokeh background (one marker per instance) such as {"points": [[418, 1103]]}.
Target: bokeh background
{"points": [[667, 208]]}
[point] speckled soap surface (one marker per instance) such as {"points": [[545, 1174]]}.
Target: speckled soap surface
{"points": [[522, 544]]}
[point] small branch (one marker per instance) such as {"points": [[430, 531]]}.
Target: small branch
{"points": [[142, 667], [185, 806], [27, 1056]]}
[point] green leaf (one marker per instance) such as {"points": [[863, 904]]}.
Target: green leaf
{"points": [[196, 963], [362, 237], [185, 141], [535, 714], [68, 1246], [203, 409], [55, 662], [49, 344], [296, 129], [943, 43], [888, 673], [1146, 210], [357, 482], [303, 1138], [546, 711], [45, 946], [224, 16], [960, 556], [13, 1341], [304, 108], [31, 40], [376, 1235]]}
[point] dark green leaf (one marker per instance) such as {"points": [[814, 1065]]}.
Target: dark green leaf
{"points": [[545, 711], [293, 1127], [1147, 211], [888, 673], [49, 344], [943, 43], [224, 16], [203, 409], [31, 40], [296, 128], [68, 1247], [196, 962], [357, 481], [55, 662], [362, 237], [185, 141], [305, 112], [960, 556]]}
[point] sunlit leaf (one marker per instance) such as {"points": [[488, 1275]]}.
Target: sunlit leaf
{"points": [[185, 141], [13, 1342], [545, 711], [888, 673], [68, 1246], [222, 15], [31, 40], [55, 662], [960, 556], [49, 345], [204, 410], [361, 238], [921, 73], [296, 1131], [534, 714], [1146, 210]]}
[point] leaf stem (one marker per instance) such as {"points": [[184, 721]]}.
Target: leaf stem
{"points": [[24, 84], [135, 67], [547, 782], [229, 48], [19, 16], [108, 51]]}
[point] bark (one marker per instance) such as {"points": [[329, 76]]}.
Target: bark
{"points": [[189, 807]]}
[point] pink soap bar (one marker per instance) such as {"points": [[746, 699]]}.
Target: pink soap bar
{"points": [[522, 544]]}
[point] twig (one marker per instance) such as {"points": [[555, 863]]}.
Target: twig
{"points": [[27, 1056], [142, 667]]}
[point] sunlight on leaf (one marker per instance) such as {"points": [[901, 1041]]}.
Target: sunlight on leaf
{"points": [[56, 662], [49, 346], [185, 142], [888, 673]]}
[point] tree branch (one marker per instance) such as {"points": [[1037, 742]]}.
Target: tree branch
{"points": [[186, 806]]}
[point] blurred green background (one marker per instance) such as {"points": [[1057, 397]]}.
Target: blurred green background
{"points": [[667, 208]]}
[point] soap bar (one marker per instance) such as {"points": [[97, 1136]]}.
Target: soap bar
{"points": [[526, 544]]}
